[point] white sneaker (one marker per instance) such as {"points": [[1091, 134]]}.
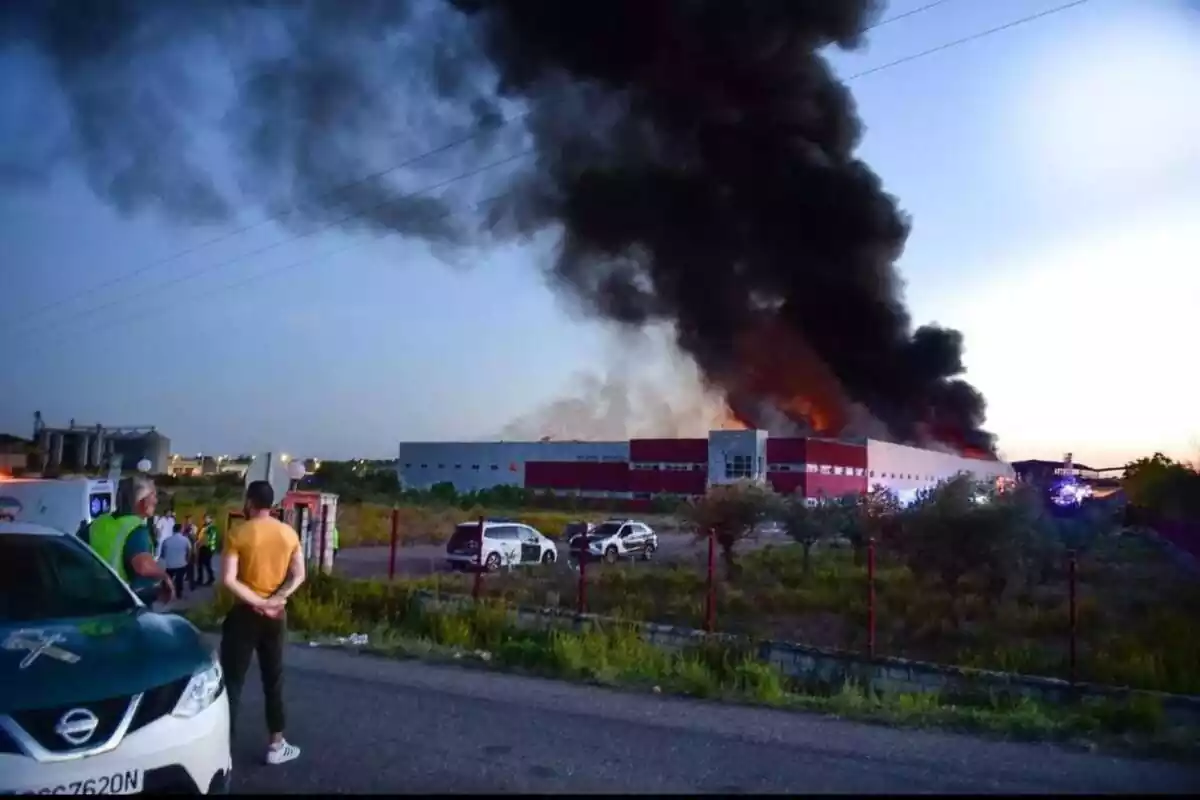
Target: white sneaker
{"points": [[282, 753]]}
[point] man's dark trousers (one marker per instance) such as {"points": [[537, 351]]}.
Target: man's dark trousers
{"points": [[244, 633]]}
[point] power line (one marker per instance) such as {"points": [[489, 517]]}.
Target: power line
{"points": [[966, 39], [327, 226], [258, 276], [337, 190], [864, 73]]}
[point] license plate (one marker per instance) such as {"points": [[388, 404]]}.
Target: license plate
{"points": [[127, 781]]}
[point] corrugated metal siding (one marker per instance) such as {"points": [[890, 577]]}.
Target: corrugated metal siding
{"points": [[834, 485], [580, 475], [786, 451], [786, 482], [838, 454], [669, 451], [666, 480]]}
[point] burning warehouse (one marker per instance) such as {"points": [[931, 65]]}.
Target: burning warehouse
{"points": [[639, 470]]}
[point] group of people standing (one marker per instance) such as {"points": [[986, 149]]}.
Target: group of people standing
{"points": [[186, 550], [262, 566]]}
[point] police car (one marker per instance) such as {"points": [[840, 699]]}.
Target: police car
{"points": [[615, 539], [99, 694]]}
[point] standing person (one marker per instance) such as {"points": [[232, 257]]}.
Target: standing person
{"points": [[189, 530], [164, 527], [122, 537], [207, 541], [262, 565], [176, 552]]}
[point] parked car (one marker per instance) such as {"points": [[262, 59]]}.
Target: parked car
{"points": [[504, 543], [99, 694], [616, 539]]}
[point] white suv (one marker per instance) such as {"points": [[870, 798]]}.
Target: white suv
{"points": [[505, 543], [98, 694], [615, 539]]}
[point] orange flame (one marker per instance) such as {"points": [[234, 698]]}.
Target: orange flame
{"points": [[776, 366]]}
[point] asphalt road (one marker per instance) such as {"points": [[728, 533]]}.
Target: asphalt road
{"points": [[372, 725]]}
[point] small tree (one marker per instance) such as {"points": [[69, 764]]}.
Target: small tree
{"points": [[962, 528], [731, 512], [822, 520]]}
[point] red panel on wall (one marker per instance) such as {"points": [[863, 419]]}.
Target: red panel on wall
{"points": [[786, 482], [683, 482], [594, 476], [786, 451], [839, 454], [645, 480], [669, 451], [834, 485]]}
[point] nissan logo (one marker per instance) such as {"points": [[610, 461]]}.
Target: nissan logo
{"points": [[77, 726]]}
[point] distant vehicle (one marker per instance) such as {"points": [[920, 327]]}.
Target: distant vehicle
{"points": [[98, 694], [616, 539], [59, 503], [505, 543]]}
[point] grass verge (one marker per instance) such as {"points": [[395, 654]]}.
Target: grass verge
{"points": [[614, 655]]}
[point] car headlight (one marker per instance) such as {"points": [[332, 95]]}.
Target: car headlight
{"points": [[204, 688]]}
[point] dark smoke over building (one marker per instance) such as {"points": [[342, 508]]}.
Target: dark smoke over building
{"points": [[698, 157]]}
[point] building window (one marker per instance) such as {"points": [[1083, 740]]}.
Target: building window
{"points": [[441, 466], [826, 469], [407, 466], [837, 471], [474, 466], [739, 467], [813, 468], [495, 466], [458, 466], [424, 466]]}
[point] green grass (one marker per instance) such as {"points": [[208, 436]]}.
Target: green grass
{"points": [[1135, 628], [615, 655]]}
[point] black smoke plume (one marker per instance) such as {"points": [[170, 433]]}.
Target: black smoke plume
{"points": [[698, 157]]}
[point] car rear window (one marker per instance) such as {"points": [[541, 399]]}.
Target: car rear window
{"points": [[463, 535], [53, 577]]}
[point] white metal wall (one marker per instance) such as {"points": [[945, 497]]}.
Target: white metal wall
{"points": [[472, 466], [905, 469]]}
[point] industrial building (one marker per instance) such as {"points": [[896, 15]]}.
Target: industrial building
{"points": [[86, 448], [642, 469]]}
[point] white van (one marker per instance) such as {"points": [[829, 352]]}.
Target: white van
{"points": [[61, 503]]}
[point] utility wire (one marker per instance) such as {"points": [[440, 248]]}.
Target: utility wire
{"points": [[325, 227], [337, 190], [855, 76]]}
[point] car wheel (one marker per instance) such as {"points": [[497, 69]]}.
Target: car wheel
{"points": [[610, 555], [548, 557], [493, 562], [648, 553]]}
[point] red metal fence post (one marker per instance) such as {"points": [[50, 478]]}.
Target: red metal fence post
{"points": [[324, 535], [710, 604], [477, 586], [581, 594], [1073, 610], [395, 538], [871, 597]]}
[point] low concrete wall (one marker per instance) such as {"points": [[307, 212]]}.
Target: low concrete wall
{"points": [[827, 670]]}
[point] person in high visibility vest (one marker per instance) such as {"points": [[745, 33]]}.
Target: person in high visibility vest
{"points": [[122, 537]]}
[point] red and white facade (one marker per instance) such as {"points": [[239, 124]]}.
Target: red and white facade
{"points": [[642, 469]]}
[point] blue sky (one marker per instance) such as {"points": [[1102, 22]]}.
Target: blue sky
{"points": [[1052, 170]]}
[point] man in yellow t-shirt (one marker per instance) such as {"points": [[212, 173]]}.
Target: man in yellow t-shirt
{"points": [[262, 564]]}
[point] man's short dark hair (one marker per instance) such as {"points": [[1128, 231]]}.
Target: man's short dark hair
{"points": [[260, 496]]}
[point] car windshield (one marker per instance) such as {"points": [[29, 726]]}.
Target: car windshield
{"points": [[53, 577], [606, 529]]}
